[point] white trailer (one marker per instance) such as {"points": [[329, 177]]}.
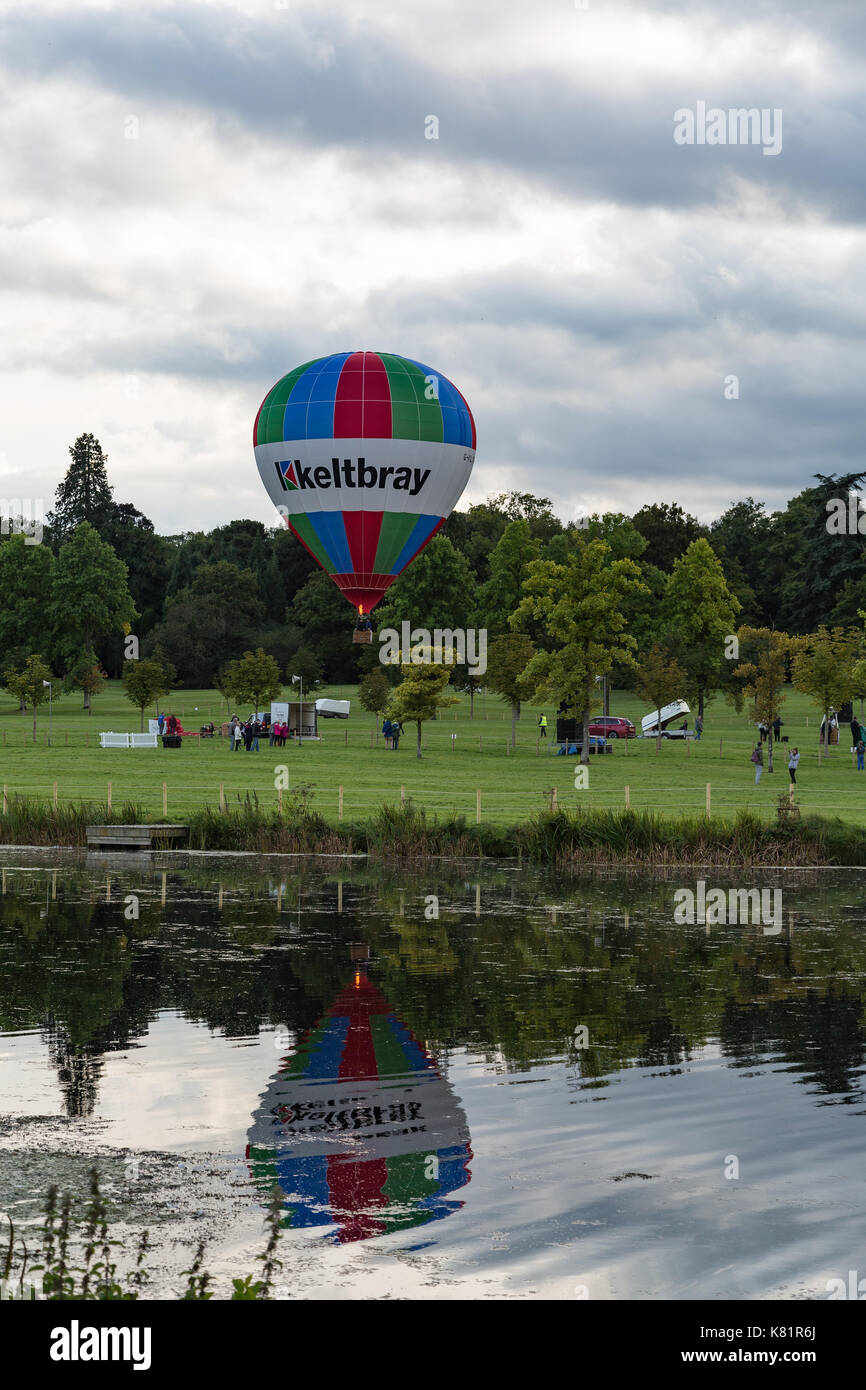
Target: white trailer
{"points": [[332, 709], [650, 722]]}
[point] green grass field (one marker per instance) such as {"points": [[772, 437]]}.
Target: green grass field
{"points": [[461, 756]]}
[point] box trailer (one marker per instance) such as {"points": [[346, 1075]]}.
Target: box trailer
{"points": [[669, 713]]}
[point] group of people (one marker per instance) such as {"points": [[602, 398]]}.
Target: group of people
{"points": [[392, 729], [776, 726], [758, 760], [245, 733], [170, 724]]}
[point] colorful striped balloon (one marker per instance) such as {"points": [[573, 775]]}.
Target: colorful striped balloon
{"points": [[358, 1128], [364, 454]]}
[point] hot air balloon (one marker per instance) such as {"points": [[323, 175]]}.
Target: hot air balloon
{"points": [[358, 1128], [364, 454]]}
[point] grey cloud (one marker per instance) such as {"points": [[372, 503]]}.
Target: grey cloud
{"points": [[593, 141]]}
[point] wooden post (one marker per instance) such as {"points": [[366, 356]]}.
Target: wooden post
{"points": [[5, 800], [222, 796], [55, 796], [340, 804], [477, 805], [109, 798], [627, 796], [279, 801], [708, 800], [553, 799], [402, 795]]}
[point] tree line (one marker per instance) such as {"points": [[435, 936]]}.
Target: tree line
{"points": [[648, 600]]}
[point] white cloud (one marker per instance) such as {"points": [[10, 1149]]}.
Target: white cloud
{"points": [[587, 283]]}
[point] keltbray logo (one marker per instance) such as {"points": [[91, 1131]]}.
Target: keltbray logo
{"points": [[349, 473]]}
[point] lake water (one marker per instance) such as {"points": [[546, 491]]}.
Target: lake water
{"points": [[466, 1083]]}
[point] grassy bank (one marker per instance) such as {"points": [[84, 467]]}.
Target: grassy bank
{"points": [[463, 758], [408, 833]]}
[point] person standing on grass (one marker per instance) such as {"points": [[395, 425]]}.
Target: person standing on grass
{"points": [[255, 730], [542, 724], [237, 735], [699, 728], [793, 764], [777, 729], [860, 749], [396, 731], [758, 760]]}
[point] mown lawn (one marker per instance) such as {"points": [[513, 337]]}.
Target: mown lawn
{"points": [[460, 756]]}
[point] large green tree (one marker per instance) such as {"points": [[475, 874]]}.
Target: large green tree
{"points": [[580, 606], [668, 532], [701, 611], [91, 599], [84, 494], [209, 623]]}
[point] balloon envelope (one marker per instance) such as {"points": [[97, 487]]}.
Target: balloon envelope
{"points": [[358, 1128], [365, 454]]}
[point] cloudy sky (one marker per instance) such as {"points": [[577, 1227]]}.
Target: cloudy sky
{"points": [[198, 196]]}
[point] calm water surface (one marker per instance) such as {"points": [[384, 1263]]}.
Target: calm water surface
{"points": [[482, 1083]]}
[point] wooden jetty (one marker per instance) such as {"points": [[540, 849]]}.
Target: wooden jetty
{"points": [[128, 837]]}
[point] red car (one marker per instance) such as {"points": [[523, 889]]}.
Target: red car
{"points": [[605, 726]]}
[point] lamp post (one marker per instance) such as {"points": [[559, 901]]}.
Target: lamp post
{"points": [[50, 693], [301, 709]]}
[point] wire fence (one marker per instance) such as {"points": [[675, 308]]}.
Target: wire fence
{"points": [[478, 804]]}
